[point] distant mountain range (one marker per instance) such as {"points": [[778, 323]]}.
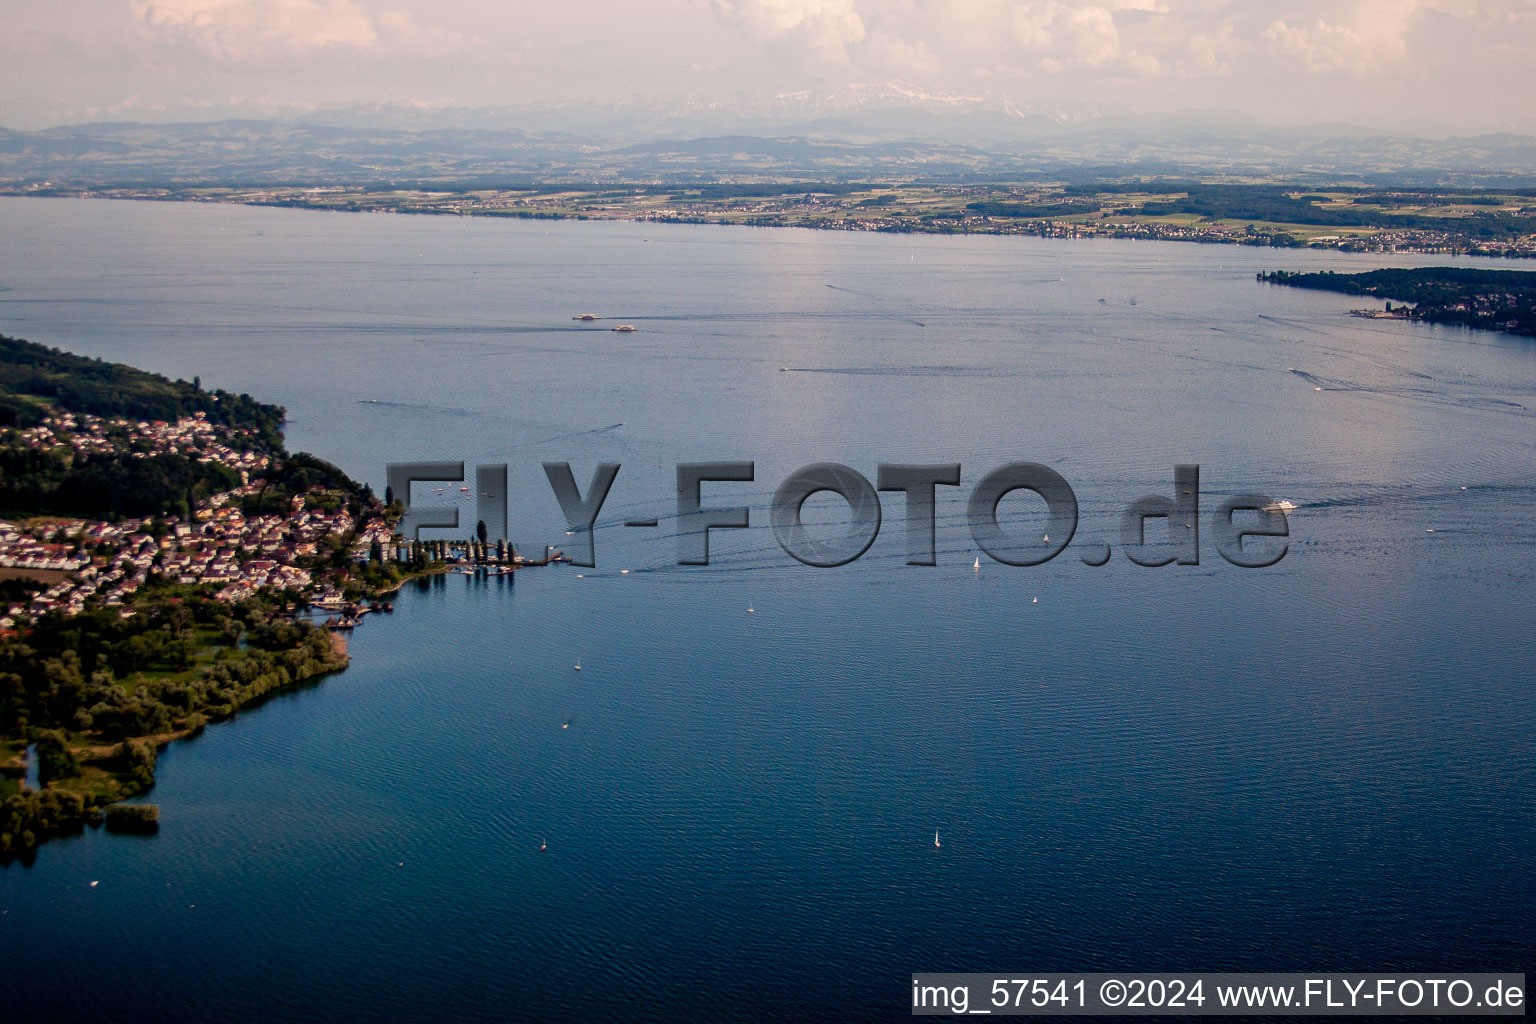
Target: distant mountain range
{"points": [[882, 132]]}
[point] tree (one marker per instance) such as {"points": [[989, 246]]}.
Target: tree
{"points": [[54, 759], [137, 758]]}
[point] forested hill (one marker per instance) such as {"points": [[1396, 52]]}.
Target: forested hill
{"points": [[1496, 300], [33, 377], [88, 438]]}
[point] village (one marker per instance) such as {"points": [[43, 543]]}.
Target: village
{"points": [[217, 544]]}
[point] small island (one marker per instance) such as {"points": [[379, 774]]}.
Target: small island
{"points": [[1491, 300]]}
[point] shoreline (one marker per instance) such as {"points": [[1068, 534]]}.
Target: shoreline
{"points": [[178, 615], [65, 810], [956, 218], [54, 811]]}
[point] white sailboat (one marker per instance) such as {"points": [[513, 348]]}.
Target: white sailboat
{"points": [[977, 566], [578, 665], [936, 839]]}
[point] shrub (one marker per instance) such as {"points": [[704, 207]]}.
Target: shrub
{"points": [[27, 818], [142, 818], [54, 759], [138, 760]]}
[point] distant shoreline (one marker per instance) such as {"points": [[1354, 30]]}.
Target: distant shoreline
{"points": [[1489, 300], [1444, 222]]}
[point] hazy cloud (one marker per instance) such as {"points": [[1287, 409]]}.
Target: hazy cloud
{"points": [[823, 27], [1210, 53], [1408, 61], [1065, 34], [254, 30]]}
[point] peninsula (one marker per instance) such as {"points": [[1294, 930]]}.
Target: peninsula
{"points": [[158, 548], [1491, 300]]}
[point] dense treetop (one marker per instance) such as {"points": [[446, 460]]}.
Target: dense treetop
{"points": [[34, 376], [1500, 300]]}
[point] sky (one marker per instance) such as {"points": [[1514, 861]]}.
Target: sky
{"points": [[1428, 67]]}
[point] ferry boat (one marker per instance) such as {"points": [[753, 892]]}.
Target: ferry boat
{"points": [[1280, 506], [624, 328], [586, 316]]}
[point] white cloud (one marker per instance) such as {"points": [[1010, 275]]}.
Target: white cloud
{"points": [[1362, 37], [1319, 46], [1404, 60], [249, 30], [1062, 35], [894, 55], [824, 27], [1113, 37], [1210, 53]]}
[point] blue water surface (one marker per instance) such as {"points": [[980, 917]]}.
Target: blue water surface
{"points": [[1325, 765]]}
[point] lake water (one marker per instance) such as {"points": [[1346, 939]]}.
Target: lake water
{"points": [[1324, 765]]}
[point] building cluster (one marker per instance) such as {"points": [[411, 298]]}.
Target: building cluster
{"points": [[939, 209], [106, 563], [1491, 310], [192, 436], [1435, 242]]}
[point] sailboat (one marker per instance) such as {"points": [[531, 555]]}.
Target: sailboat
{"points": [[749, 606], [977, 566], [936, 839], [543, 846], [578, 665]]}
